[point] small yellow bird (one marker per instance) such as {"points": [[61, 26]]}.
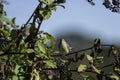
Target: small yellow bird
{"points": [[64, 46]]}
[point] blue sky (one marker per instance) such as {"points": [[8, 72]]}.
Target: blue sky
{"points": [[78, 16]]}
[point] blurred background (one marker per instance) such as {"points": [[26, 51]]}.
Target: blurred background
{"points": [[78, 22]]}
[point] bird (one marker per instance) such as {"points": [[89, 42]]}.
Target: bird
{"points": [[26, 30], [64, 46]]}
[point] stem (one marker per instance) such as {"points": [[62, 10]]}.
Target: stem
{"points": [[32, 14], [39, 25], [106, 45], [108, 65], [78, 51], [13, 42], [20, 34], [61, 54]]}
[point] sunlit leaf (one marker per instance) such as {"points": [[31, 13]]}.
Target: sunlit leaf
{"points": [[82, 68], [49, 63], [41, 47], [5, 32], [46, 13], [16, 71], [30, 50], [116, 69], [35, 75], [8, 21], [98, 60], [90, 59], [115, 77], [43, 1], [53, 7], [96, 70], [50, 2]]}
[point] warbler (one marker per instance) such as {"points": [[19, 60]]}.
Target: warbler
{"points": [[64, 46], [26, 30]]}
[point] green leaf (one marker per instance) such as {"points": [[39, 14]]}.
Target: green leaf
{"points": [[30, 50], [98, 60], [2, 18], [41, 47], [16, 68], [50, 2], [90, 59], [115, 77], [46, 13], [82, 68], [36, 75], [116, 69], [96, 70], [43, 1], [13, 20], [5, 32], [52, 40], [52, 7], [14, 33], [50, 63]]}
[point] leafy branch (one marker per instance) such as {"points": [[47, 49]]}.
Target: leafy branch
{"points": [[29, 54]]}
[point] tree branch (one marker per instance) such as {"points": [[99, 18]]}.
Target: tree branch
{"points": [[32, 14], [20, 34], [64, 54]]}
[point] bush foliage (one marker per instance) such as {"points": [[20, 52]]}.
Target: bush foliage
{"points": [[27, 53]]}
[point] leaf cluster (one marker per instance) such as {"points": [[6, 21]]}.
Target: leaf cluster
{"points": [[27, 53], [113, 5]]}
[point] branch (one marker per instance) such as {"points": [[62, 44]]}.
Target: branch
{"points": [[62, 54], [32, 14], [3, 54], [78, 51], [74, 52], [20, 34], [112, 64]]}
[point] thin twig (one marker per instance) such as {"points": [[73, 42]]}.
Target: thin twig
{"points": [[106, 45], [74, 52], [13, 42], [20, 33], [78, 51], [32, 14], [107, 65], [64, 54]]}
